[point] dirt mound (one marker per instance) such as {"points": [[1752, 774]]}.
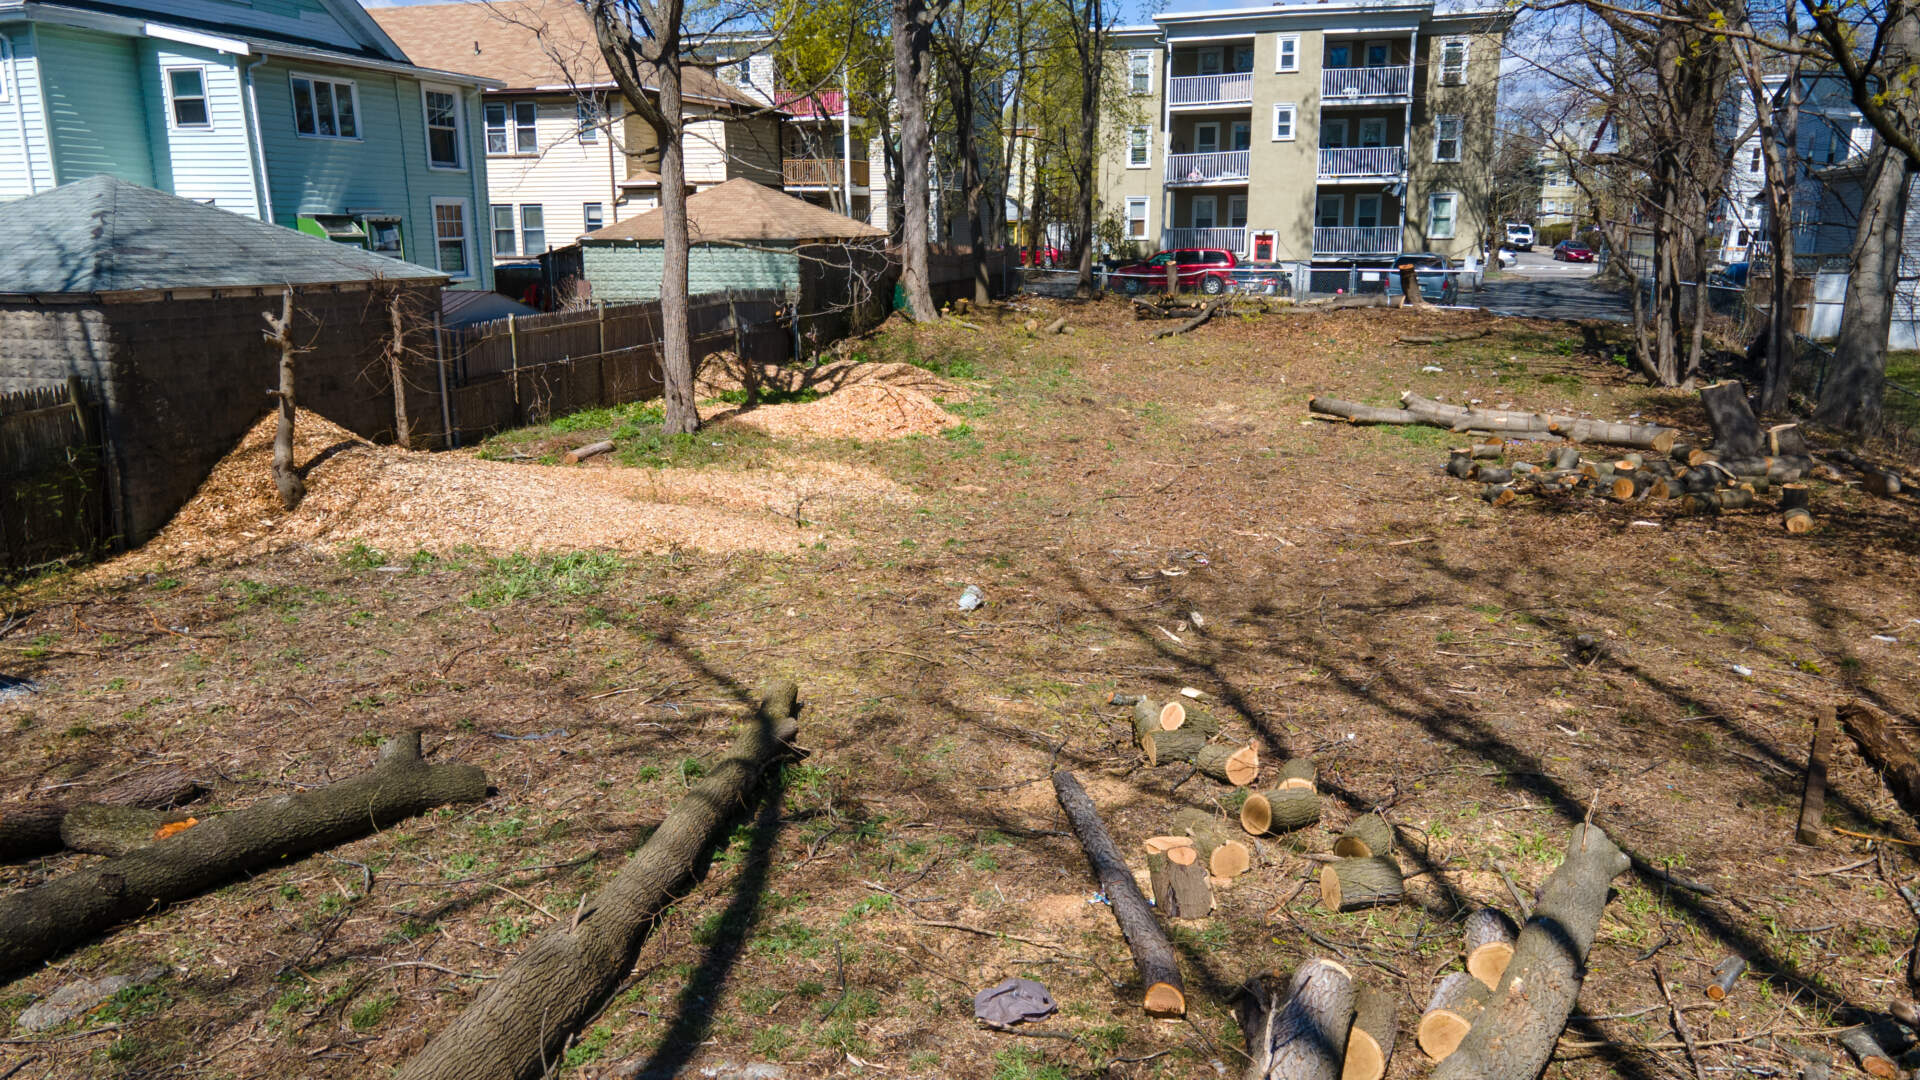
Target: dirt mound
{"points": [[723, 373], [868, 410]]}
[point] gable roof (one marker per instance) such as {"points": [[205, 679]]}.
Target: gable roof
{"points": [[104, 235], [743, 210], [526, 44]]}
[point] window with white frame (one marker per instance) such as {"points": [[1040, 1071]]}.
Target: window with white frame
{"points": [[587, 116], [1140, 71], [502, 215], [450, 238], [1754, 165], [1446, 138], [1442, 208], [594, 215], [1284, 115], [442, 108], [533, 229], [1136, 218], [1287, 57], [187, 97], [1139, 147], [496, 113], [526, 127], [1453, 62], [325, 108]]}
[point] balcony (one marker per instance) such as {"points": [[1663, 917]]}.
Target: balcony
{"points": [[820, 172], [1234, 89], [1189, 170], [1234, 240], [1362, 163], [1357, 240], [1366, 85]]}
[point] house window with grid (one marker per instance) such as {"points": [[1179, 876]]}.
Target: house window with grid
{"points": [[1446, 138], [187, 97], [1453, 62], [1139, 148], [1442, 208], [1140, 72], [533, 229], [502, 229], [442, 106], [594, 215], [1136, 219], [1289, 53], [589, 115], [1284, 116], [450, 238], [511, 128]]}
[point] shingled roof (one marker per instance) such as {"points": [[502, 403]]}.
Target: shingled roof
{"points": [[527, 44], [743, 210], [104, 235]]}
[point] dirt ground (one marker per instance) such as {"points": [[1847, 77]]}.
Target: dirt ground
{"points": [[1353, 604]]}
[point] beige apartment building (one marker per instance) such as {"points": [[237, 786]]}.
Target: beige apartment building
{"points": [[1306, 132]]}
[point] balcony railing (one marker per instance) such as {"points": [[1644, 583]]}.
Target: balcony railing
{"points": [[820, 172], [1357, 240], [1231, 89], [1234, 240], [1365, 85], [1383, 161], [1227, 168]]}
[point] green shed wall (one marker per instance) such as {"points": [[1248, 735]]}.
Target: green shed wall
{"points": [[622, 271]]}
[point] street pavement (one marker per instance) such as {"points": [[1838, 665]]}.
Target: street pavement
{"points": [[1539, 287]]}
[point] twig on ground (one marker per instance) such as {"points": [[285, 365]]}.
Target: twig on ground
{"points": [[1680, 1024]]}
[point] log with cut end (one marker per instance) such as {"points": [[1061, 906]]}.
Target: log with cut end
{"points": [[575, 457], [1177, 716], [1375, 1029], [32, 828], [1628, 485], [1179, 880], [1787, 440], [1301, 1034], [1882, 482], [1488, 451], [115, 830], [1298, 772], [1514, 1034], [1166, 747], [1566, 458], [1490, 934], [1867, 1051], [1146, 716], [1795, 496], [1460, 463], [1813, 797], [1449, 1015], [1368, 835], [1610, 433], [1734, 498], [1499, 495], [1057, 326], [1353, 884], [1797, 520], [1725, 973], [1882, 746], [1736, 433], [1158, 964], [1493, 475], [38, 923], [1225, 856], [1355, 413], [1279, 810], [1235, 765]]}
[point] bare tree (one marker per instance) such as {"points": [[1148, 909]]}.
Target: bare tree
{"points": [[1087, 25], [912, 46], [964, 49], [1777, 114], [280, 335]]}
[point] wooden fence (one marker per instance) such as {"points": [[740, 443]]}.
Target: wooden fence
{"points": [[520, 341], [53, 503]]}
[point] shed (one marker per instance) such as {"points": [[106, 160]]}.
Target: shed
{"points": [[154, 302]]}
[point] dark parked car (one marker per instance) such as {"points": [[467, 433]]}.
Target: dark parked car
{"points": [[1208, 269], [1572, 251]]}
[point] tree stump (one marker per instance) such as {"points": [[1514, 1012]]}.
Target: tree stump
{"points": [[1235, 765], [1279, 810], [1736, 433], [1303, 1035], [1370, 1042], [1179, 880], [1795, 496], [1449, 1015], [1225, 857], [1368, 835], [1490, 935], [1352, 884]]}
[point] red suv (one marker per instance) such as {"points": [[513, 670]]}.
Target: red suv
{"points": [[1208, 269]]}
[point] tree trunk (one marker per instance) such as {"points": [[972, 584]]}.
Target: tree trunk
{"points": [[1449, 1014], [397, 371], [1850, 400], [1514, 1035], [285, 477], [1158, 964], [1375, 1029], [116, 830], [1090, 42], [523, 1020], [1225, 856], [28, 829], [1352, 884], [1368, 835], [1302, 1036], [911, 45], [1736, 431], [1489, 935], [1179, 879], [41, 922], [1888, 752]]}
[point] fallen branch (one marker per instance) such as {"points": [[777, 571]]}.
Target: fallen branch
{"points": [[575, 457], [1191, 324], [1158, 964], [1886, 750], [1444, 339], [1813, 797], [33, 828]]}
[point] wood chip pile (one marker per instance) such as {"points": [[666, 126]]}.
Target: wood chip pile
{"points": [[865, 410]]}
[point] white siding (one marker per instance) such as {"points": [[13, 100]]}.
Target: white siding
{"points": [[211, 163], [706, 152], [26, 165], [297, 19], [562, 178]]}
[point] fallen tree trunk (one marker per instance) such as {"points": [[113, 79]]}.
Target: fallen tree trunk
{"points": [[1303, 1035], [1736, 431], [1153, 956], [116, 830], [1444, 339], [1363, 414], [1813, 797], [41, 922], [1886, 750], [1578, 429], [1375, 1028], [33, 828], [1191, 324], [1514, 1034], [523, 1019], [1880, 481], [575, 457]]}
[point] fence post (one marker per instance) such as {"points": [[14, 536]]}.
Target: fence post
{"points": [[600, 306], [77, 396], [451, 436], [513, 365]]}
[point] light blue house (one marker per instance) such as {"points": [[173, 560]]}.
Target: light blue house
{"points": [[299, 112]]}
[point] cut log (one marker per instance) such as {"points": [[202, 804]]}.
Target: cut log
{"points": [[1787, 440], [40, 922], [1681, 454], [1460, 463], [1610, 433], [1179, 880], [1795, 496], [1734, 498], [1225, 856], [1057, 326], [1867, 1051], [1566, 458], [1515, 1034], [1499, 495], [1375, 1028], [1303, 1035], [1175, 716], [1191, 324], [523, 1020], [1355, 413], [1813, 797], [1628, 485], [115, 830], [1282, 809], [1699, 480], [1490, 935], [1155, 959], [32, 828], [1725, 973], [1489, 451], [1886, 750], [1368, 835], [1167, 747], [1449, 1015], [1598, 471], [1235, 765], [1881, 482], [1298, 772], [1353, 884], [1736, 433], [1659, 489], [1797, 521], [1492, 475], [575, 457], [1444, 339], [1146, 716]]}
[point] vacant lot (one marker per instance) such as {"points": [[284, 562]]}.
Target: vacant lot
{"points": [[1352, 603]]}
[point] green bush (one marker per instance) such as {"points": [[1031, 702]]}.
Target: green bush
{"points": [[1549, 235]]}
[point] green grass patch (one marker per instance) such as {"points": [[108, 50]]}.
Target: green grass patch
{"points": [[548, 577]]}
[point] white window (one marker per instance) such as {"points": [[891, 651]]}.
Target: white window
{"points": [[450, 238], [587, 113], [1206, 138], [1203, 212], [325, 108], [1441, 209], [595, 216], [1327, 211], [442, 107], [526, 129], [1289, 53], [1136, 219], [1446, 138], [496, 127], [1754, 165], [1453, 62], [1283, 117], [187, 97], [1140, 71], [1366, 211], [1236, 211], [533, 229], [502, 229], [1139, 147]]}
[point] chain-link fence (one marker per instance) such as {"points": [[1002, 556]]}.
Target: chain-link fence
{"points": [[1297, 281]]}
